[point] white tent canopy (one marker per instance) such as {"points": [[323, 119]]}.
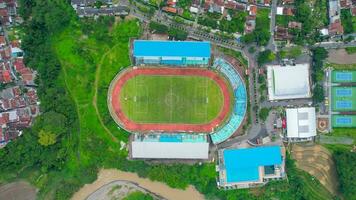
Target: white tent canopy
{"points": [[288, 82], [170, 150], [301, 122]]}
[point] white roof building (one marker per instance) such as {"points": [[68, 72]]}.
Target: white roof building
{"points": [[288, 82], [279, 11], [173, 146], [301, 123]]}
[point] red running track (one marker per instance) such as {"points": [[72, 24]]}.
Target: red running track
{"points": [[130, 125]]}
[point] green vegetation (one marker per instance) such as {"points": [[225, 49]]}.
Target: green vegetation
{"points": [[283, 20], [341, 66], [158, 28], [263, 113], [293, 52], [319, 55], [346, 169], [236, 24], [261, 34], [177, 34], [209, 22], [318, 93], [347, 21], [350, 50], [313, 16], [349, 132], [265, 57], [171, 99], [138, 196], [235, 54]]}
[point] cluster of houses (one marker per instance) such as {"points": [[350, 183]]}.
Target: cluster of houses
{"points": [[282, 33], [93, 8], [8, 14], [349, 4], [19, 102]]}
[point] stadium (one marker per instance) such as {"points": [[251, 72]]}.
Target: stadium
{"points": [[177, 99]]}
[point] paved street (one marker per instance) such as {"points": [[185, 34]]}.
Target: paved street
{"points": [[271, 45]]}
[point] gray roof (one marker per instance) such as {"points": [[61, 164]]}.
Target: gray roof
{"points": [[170, 150]]}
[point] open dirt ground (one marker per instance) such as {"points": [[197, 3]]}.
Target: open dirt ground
{"points": [[340, 56], [107, 176], [317, 161], [18, 191]]}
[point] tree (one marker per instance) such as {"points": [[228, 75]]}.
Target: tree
{"points": [[177, 34], [265, 57], [46, 138], [318, 94], [263, 114], [346, 168], [158, 28]]}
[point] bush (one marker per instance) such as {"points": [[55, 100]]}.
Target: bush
{"points": [[158, 28], [265, 57], [263, 114]]}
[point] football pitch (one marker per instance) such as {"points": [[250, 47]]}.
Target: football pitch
{"points": [[171, 99]]}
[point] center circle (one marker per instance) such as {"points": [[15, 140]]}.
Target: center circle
{"points": [[171, 99]]}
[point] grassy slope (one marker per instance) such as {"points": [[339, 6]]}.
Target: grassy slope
{"points": [[167, 99], [79, 74]]}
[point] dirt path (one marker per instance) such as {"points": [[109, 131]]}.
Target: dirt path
{"points": [[95, 98], [18, 191], [340, 56], [107, 176]]}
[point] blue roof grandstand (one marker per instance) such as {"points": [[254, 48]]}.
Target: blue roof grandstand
{"points": [[179, 53]]}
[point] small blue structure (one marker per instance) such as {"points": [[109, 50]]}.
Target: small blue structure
{"points": [[171, 52], [244, 165]]}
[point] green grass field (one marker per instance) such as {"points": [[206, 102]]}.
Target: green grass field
{"points": [[171, 99]]}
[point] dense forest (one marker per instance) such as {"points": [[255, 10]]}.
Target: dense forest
{"points": [[346, 169]]}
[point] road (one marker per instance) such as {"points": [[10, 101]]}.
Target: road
{"points": [[271, 44], [334, 45]]}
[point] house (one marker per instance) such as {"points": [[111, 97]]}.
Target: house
{"points": [[252, 10], [296, 25], [282, 33], [193, 9], [170, 9], [250, 24], [345, 4], [288, 82], [279, 10], [287, 2], [285, 11], [214, 6], [250, 167], [16, 52], [288, 11], [301, 124], [2, 41], [353, 11], [335, 26]]}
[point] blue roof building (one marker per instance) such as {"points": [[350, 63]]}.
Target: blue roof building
{"points": [[171, 52], [243, 168]]}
